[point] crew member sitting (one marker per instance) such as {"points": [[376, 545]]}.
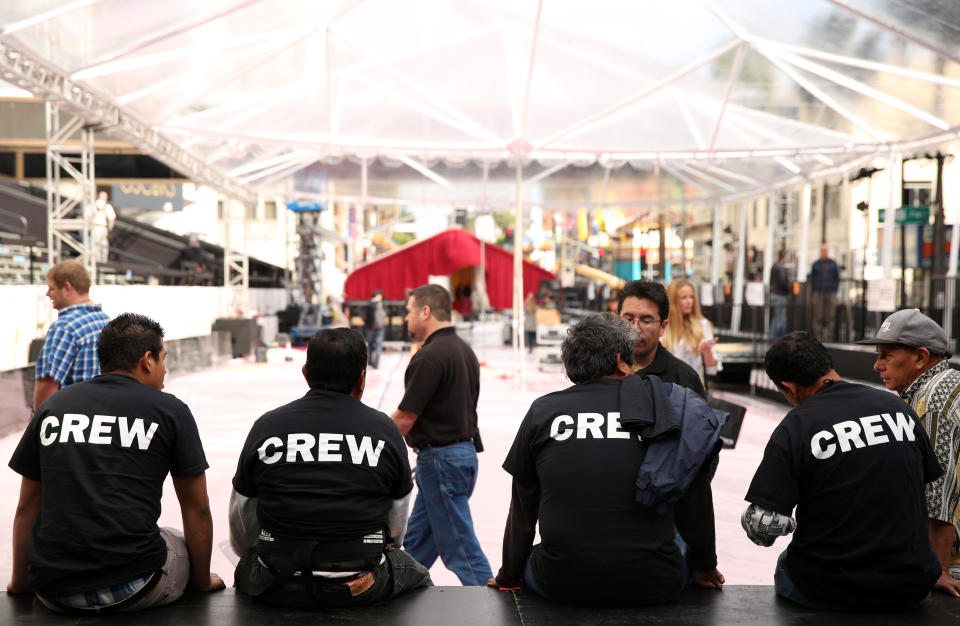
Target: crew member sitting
{"points": [[612, 468], [93, 462], [853, 460], [322, 491]]}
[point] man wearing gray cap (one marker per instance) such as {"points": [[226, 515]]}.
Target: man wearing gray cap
{"points": [[912, 359]]}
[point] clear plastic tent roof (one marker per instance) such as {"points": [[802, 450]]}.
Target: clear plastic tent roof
{"points": [[725, 94]]}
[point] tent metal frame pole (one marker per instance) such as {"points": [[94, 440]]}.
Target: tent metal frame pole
{"points": [[483, 246], [819, 94], [734, 72], [806, 197], [710, 179], [857, 86], [518, 309], [890, 218], [645, 93], [769, 256], [688, 120], [920, 41], [282, 158], [737, 314], [423, 169], [839, 59], [715, 261]]}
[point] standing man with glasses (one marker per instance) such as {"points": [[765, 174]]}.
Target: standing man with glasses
{"points": [[644, 304]]}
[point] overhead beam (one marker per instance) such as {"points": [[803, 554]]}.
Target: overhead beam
{"points": [[688, 69], [922, 41], [533, 56], [859, 87], [45, 81], [423, 169], [820, 94]]}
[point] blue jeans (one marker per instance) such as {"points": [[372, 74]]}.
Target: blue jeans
{"points": [[374, 346], [778, 317], [440, 524]]}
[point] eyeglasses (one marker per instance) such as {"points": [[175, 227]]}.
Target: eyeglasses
{"points": [[643, 322]]}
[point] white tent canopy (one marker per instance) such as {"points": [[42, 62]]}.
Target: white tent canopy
{"points": [[729, 96]]}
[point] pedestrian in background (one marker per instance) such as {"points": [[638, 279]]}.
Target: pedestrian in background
{"points": [[779, 294], [824, 283], [69, 352], [689, 336]]}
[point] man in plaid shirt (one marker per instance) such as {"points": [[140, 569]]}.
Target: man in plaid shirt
{"points": [[69, 353]]}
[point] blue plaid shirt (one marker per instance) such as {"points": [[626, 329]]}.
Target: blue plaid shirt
{"points": [[69, 353]]}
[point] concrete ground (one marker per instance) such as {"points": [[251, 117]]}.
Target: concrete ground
{"points": [[226, 400]]}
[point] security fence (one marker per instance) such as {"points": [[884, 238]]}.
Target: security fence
{"points": [[935, 297]]}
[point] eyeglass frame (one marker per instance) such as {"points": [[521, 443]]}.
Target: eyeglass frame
{"points": [[642, 322]]}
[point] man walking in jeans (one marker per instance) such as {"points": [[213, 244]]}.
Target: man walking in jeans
{"points": [[438, 418]]}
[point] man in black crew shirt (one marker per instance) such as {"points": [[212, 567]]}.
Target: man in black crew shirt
{"points": [[93, 462], [438, 417], [853, 460], [322, 491], [575, 468], [644, 304]]}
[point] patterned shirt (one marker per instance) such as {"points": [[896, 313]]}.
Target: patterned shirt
{"points": [[935, 396], [69, 353]]}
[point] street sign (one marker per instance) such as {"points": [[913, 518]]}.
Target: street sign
{"points": [[907, 215]]}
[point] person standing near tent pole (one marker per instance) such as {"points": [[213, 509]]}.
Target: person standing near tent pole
{"points": [[438, 418]]}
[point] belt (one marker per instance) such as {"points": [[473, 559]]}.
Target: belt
{"points": [[440, 445]]}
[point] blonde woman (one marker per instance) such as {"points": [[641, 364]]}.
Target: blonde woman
{"points": [[689, 336]]}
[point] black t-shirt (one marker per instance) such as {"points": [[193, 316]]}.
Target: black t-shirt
{"points": [[325, 466], [853, 460], [442, 387], [597, 542], [101, 450], [670, 369]]}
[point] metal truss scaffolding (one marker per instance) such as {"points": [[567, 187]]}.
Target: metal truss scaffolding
{"points": [[310, 257], [236, 263], [19, 66], [69, 214]]}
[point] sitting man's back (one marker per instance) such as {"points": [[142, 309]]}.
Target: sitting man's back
{"points": [[93, 462], [577, 470], [322, 491], [853, 460]]}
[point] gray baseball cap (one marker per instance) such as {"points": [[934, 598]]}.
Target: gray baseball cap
{"points": [[911, 328]]}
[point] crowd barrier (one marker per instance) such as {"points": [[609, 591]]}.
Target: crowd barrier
{"points": [[183, 355]]}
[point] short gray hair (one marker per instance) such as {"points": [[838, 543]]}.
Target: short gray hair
{"points": [[591, 346]]}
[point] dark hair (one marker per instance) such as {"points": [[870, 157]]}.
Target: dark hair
{"points": [[335, 359], [646, 290], [591, 346], [435, 297], [126, 339], [797, 358]]}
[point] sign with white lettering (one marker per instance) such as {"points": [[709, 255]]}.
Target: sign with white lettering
{"points": [[882, 295], [147, 196]]}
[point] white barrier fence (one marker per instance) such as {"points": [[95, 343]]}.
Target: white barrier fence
{"points": [[183, 311]]}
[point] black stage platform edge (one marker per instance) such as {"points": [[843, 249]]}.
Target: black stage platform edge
{"points": [[746, 605], [442, 606], [469, 606]]}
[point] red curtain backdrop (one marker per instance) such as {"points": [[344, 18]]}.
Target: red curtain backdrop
{"points": [[442, 255]]}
